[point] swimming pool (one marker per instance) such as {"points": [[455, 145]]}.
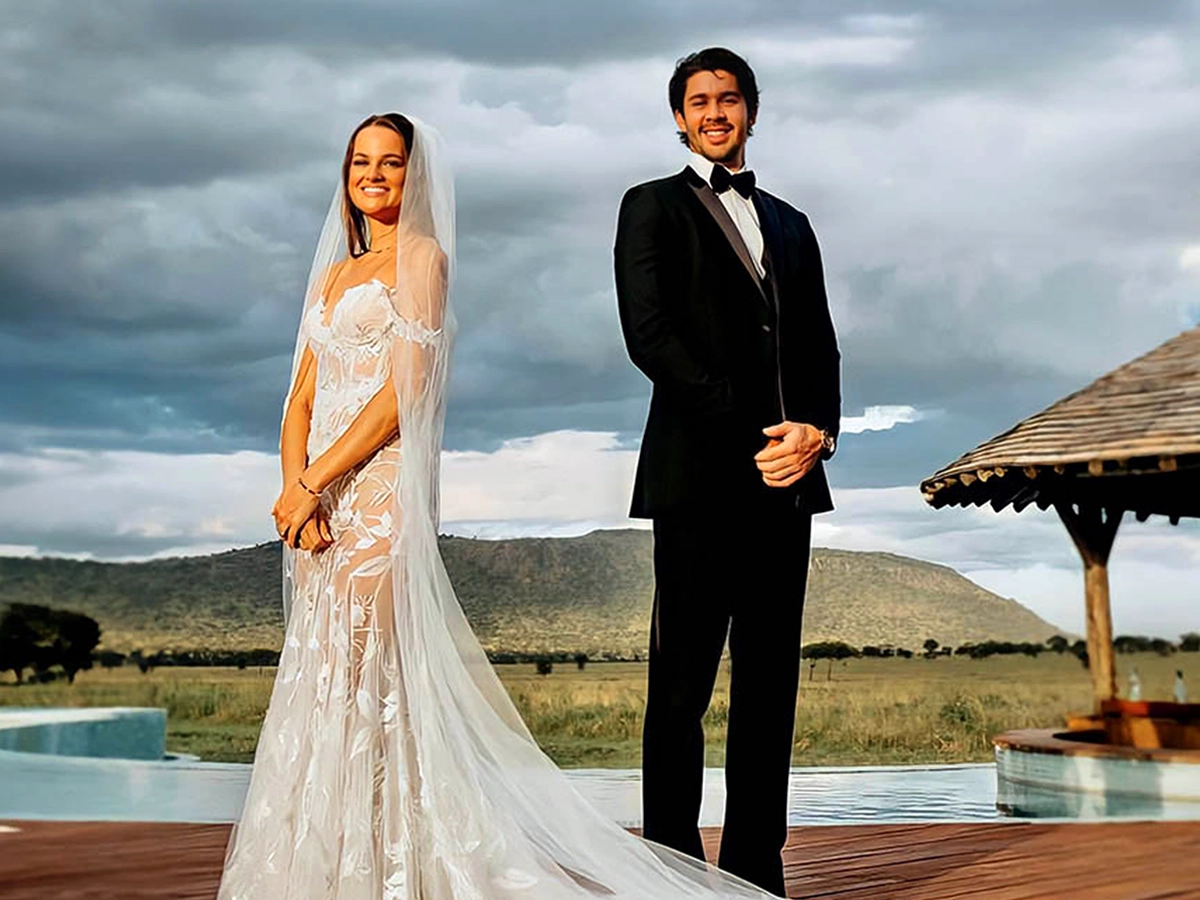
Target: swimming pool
{"points": [[44, 774]]}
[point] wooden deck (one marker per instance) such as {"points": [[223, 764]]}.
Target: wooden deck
{"points": [[1000, 861]]}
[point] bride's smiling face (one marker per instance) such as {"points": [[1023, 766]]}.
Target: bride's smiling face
{"points": [[377, 168]]}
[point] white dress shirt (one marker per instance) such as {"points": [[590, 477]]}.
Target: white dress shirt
{"points": [[740, 209]]}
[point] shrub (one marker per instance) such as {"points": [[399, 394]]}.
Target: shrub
{"points": [[110, 659], [965, 711]]}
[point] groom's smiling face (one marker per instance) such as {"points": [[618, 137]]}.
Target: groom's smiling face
{"points": [[715, 117]]}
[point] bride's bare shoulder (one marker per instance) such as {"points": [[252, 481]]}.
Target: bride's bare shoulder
{"points": [[423, 251]]}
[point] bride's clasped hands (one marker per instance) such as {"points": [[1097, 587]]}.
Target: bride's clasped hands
{"points": [[299, 519]]}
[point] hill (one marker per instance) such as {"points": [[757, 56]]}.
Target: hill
{"points": [[590, 593]]}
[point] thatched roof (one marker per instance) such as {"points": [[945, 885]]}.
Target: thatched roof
{"points": [[1129, 440]]}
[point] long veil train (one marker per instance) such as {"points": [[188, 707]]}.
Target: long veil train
{"points": [[478, 810]]}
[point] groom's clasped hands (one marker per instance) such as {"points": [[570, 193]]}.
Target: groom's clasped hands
{"points": [[793, 448]]}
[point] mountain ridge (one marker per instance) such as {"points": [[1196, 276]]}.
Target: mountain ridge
{"points": [[590, 593]]}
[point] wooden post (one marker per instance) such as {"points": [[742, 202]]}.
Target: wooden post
{"points": [[1093, 530]]}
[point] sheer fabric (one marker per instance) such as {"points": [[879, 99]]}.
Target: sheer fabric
{"points": [[392, 764]]}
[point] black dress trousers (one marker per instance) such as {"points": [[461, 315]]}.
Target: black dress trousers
{"points": [[736, 571]]}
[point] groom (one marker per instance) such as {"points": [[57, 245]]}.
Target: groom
{"points": [[723, 307]]}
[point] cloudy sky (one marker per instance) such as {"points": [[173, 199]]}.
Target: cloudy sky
{"points": [[1007, 195]]}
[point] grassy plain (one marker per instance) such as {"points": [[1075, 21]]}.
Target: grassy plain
{"points": [[872, 711]]}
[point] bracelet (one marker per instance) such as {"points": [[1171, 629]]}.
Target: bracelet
{"points": [[300, 481]]}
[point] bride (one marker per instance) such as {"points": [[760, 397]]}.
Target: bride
{"points": [[392, 764]]}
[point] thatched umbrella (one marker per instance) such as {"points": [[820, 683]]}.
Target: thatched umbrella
{"points": [[1129, 441]]}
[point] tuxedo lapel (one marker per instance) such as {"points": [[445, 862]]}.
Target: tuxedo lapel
{"points": [[772, 232], [721, 216]]}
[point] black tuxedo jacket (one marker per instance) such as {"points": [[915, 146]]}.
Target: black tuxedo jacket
{"points": [[729, 353]]}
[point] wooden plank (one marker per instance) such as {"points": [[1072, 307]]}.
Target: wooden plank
{"points": [[111, 860], [1057, 874], [1141, 860], [1001, 860]]}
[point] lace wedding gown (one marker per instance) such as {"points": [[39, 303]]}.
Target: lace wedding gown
{"points": [[330, 810], [392, 764]]}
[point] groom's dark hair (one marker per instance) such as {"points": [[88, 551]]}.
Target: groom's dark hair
{"points": [[710, 60]]}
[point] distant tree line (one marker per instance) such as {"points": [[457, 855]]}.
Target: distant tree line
{"points": [[165, 658], [984, 649], [580, 659], [1136, 643], [54, 643], [839, 650], [545, 661], [832, 651]]}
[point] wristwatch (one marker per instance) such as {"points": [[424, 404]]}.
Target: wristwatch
{"points": [[828, 444]]}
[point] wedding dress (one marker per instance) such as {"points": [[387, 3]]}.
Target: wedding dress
{"points": [[391, 763]]}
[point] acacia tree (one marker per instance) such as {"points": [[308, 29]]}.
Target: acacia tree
{"points": [[78, 636], [1058, 644], [40, 638], [26, 639], [17, 642]]}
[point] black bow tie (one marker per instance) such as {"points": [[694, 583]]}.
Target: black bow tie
{"points": [[722, 180]]}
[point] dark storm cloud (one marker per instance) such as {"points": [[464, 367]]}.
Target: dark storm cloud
{"points": [[983, 37], [994, 185]]}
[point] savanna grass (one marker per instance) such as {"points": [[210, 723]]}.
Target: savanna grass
{"points": [[867, 711]]}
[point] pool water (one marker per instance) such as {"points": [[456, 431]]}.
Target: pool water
{"points": [[33, 786], [99, 764], [827, 795], [107, 764]]}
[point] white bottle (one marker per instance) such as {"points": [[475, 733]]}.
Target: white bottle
{"points": [[1135, 685], [1180, 688]]}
